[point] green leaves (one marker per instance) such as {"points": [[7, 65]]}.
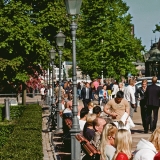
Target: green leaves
{"points": [[27, 30], [105, 42], [29, 131]]}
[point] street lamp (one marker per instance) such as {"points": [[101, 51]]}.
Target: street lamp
{"points": [[102, 72], [73, 9], [48, 84], [52, 57], [102, 78], [60, 39]]}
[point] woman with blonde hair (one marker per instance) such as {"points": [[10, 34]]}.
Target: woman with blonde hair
{"points": [[123, 144], [155, 139], [107, 148], [88, 130], [148, 149]]}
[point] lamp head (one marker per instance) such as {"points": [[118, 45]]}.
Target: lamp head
{"points": [[52, 54], [60, 39], [73, 7]]}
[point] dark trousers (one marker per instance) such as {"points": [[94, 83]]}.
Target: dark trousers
{"points": [[149, 116], [99, 100], [85, 102], [143, 115]]}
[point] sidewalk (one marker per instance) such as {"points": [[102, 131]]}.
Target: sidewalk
{"points": [[35, 99], [46, 137]]}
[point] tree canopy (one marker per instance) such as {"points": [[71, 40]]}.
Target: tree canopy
{"points": [[105, 41], [27, 30]]}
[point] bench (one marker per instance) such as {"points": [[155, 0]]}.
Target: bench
{"points": [[89, 149], [91, 152]]}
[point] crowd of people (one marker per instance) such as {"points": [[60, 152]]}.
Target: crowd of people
{"points": [[105, 118]]}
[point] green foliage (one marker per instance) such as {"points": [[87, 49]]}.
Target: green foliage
{"points": [[1, 112], [6, 127], [27, 30], [5, 130], [70, 72], [157, 28], [105, 41], [15, 112], [21, 45], [25, 142]]}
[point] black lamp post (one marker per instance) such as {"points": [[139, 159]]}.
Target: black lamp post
{"points": [[60, 39], [73, 9], [52, 57]]}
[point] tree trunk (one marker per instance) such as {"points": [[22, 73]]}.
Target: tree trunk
{"points": [[18, 97], [23, 94]]}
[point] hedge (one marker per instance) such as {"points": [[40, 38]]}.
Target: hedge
{"points": [[6, 127], [5, 130], [25, 142], [15, 112], [2, 114]]}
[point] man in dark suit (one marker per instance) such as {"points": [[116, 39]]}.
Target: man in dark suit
{"points": [[140, 95], [152, 102], [86, 94], [136, 105]]}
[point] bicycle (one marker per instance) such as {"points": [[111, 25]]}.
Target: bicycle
{"points": [[50, 121]]}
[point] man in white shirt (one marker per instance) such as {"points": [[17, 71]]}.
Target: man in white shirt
{"points": [[129, 95], [83, 115]]}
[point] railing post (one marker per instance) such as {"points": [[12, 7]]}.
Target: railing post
{"points": [[33, 93], [7, 109]]}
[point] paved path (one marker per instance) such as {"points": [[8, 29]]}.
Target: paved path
{"points": [[46, 136], [35, 99], [139, 129], [138, 134]]}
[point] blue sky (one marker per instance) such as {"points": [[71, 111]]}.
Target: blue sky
{"points": [[146, 14]]}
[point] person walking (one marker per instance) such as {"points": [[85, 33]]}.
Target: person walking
{"points": [[129, 95], [140, 95], [86, 95], [114, 89], [152, 102], [103, 95], [79, 90]]}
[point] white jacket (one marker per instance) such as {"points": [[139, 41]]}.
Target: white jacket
{"points": [[114, 89], [145, 150], [129, 94]]}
